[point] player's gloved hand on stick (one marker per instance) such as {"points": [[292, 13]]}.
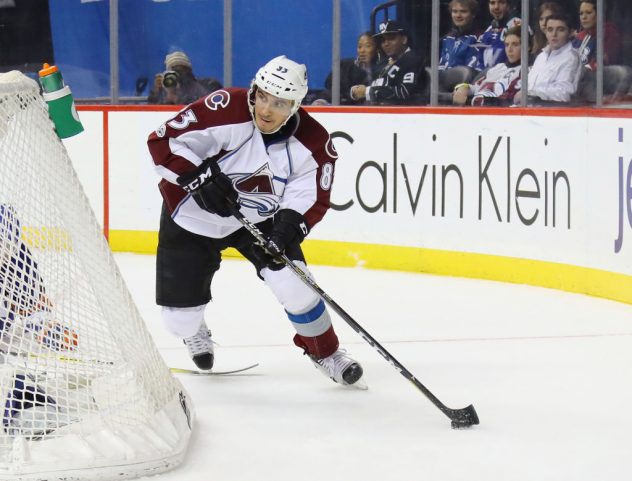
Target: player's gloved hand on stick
{"points": [[217, 196], [211, 189], [288, 228]]}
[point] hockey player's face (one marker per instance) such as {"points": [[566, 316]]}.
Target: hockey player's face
{"points": [[394, 44], [461, 15], [498, 8], [557, 33], [270, 112], [512, 48], [587, 15]]}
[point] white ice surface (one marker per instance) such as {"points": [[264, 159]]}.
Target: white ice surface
{"points": [[548, 373]]}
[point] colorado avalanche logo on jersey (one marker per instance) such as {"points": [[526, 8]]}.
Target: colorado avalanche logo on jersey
{"points": [[217, 99], [331, 149], [256, 191]]}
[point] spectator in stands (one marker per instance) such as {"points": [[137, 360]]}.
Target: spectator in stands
{"points": [[492, 50], [621, 13], [586, 40], [458, 47], [400, 78], [178, 85], [556, 71], [545, 10], [360, 70], [499, 84]]}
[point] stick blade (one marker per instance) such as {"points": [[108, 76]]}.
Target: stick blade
{"points": [[464, 418]]}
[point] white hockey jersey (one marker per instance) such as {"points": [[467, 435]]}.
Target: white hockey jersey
{"points": [[295, 172], [502, 81]]}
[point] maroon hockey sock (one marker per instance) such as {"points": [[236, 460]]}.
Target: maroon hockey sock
{"points": [[320, 346]]}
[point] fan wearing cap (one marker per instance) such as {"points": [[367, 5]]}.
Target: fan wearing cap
{"points": [[399, 80], [177, 85], [258, 151]]}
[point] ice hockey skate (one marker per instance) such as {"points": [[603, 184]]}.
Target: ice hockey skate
{"points": [[200, 348], [340, 368]]}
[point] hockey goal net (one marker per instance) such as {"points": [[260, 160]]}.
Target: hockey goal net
{"points": [[84, 393]]}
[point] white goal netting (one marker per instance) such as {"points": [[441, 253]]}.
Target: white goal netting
{"points": [[84, 394]]}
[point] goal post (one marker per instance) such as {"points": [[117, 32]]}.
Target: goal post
{"points": [[84, 392]]}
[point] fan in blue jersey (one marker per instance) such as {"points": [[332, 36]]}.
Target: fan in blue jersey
{"points": [[458, 47], [492, 41]]}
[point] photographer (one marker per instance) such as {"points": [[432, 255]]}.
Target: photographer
{"points": [[177, 85]]}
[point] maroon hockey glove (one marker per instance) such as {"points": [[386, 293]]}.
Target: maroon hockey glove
{"points": [[211, 189]]}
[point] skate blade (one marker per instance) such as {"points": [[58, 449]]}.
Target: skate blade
{"points": [[359, 384], [197, 372]]}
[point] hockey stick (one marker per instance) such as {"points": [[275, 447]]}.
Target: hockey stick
{"points": [[461, 418]]}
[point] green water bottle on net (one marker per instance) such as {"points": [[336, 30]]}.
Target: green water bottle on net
{"points": [[61, 105]]}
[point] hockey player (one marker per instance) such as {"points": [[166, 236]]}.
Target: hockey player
{"points": [[27, 328], [399, 80], [258, 150], [27, 324], [28, 409]]}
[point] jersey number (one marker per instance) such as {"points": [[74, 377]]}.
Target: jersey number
{"points": [[327, 176], [187, 118]]}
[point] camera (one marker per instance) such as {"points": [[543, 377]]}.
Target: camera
{"points": [[170, 78]]}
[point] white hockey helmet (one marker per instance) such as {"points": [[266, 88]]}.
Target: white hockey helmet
{"points": [[283, 78]]}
